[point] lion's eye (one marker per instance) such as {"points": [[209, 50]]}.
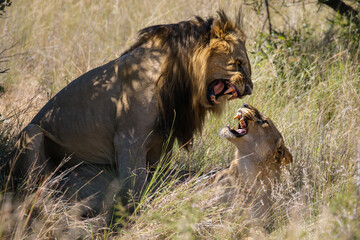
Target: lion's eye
{"points": [[239, 67], [240, 61], [239, 64]]}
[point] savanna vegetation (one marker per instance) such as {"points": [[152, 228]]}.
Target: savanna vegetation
{"points": [[306, 76]]}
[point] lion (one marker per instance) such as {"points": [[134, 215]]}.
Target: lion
{"points": [[260, 154], [128, 112]]}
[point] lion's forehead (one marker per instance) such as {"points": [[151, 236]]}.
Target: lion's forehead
{"points": [[230, 47]]}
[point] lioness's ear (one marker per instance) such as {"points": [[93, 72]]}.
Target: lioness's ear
{"points": [[287, 157], [284, 153]]}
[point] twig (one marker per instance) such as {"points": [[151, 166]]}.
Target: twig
{"points": [[268, 16], [7, 49]]}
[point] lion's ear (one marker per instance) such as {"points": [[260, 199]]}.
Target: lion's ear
{"points": [[217, 32], [221, 26]]}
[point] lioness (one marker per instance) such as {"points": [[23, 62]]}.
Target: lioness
{"points": [[121, 114], [258, 159]]}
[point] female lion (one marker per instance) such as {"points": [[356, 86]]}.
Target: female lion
{"points": [[257, 165]]}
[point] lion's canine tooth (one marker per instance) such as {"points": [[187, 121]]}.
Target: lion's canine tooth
{"points": [[234, 95], [237, 117], [230, 90], [213, 99]]}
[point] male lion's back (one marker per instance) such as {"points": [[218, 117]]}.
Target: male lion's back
{"points": [[80, 119], [83, 118]]}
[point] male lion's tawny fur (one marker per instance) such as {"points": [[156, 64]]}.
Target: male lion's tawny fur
{"points": [[121, 114]]}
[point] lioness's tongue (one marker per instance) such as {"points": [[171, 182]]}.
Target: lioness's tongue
{"points": [[219, 87], [241, 131]]}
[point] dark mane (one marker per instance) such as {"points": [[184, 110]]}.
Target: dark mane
{"points": [[177, 83], [180, 35]]}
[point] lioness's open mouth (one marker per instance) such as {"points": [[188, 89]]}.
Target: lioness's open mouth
{"points": [[221, 87], [242, 125]]}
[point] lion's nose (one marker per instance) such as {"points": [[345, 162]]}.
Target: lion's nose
{"points": [[248, 89]]}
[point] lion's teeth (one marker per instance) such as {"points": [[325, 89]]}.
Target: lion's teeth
{"points": [[237, 117], [230, 90], [235, 93], [213, 99], [233, 97]]}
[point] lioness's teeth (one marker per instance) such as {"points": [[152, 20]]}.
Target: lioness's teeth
{"points": [[237, 117], [242, 123]]}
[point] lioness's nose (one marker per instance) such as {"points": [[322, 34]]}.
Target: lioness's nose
{"points": [[248, 89]]}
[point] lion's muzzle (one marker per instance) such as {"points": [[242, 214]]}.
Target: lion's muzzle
{"points": [[237, 86], [242, 83], [248, 90]]}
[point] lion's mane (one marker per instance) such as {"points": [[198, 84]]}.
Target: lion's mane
{"points": [[183, 78]]}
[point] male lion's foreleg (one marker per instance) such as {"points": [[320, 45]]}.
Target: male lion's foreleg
{"points": [[93, 184], [131, 165], [29, 156]]}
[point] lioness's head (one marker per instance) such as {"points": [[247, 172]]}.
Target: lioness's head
{"points": [[260, 146]]}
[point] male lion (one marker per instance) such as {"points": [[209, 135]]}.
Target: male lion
{"points": [[258, 159], [121, 114]]}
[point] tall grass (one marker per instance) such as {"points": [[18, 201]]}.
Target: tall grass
{"points": [[306, 80]]}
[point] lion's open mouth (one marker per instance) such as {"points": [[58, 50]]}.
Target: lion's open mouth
{"points": [[242, 126], [219, 88]]}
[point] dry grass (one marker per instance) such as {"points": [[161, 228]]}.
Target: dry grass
{"points": [[309, 86]]}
